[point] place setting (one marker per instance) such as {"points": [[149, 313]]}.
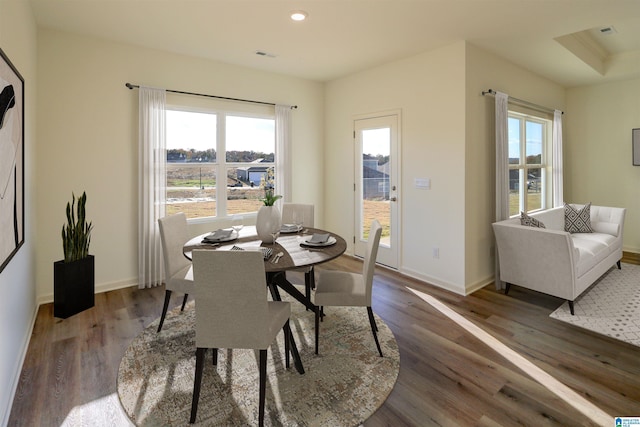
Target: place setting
{"points": [[223, 235], [318, 240]]}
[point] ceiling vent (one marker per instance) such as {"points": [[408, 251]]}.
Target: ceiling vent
{"points": [[608, 30], [263, 53]]}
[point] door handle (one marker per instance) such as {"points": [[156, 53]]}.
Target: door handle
{"points": [[393, 199]]}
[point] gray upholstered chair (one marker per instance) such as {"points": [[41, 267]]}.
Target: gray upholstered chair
{"points": [[341, 288], [178, 271], [232, 311], [305, 214]]}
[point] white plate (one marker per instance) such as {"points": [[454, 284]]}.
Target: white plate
{"points": [[330, 241], [289, 229], [232, 236]]}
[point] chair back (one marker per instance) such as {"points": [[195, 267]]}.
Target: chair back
{"points": [[370, 256], [231, 299], [306, 210], [173, 235]]}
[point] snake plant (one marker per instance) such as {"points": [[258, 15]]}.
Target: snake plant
{"points": [[76, 233]]}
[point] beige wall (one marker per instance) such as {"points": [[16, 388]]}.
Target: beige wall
{"points": [[447, 136], [486, 71], [88, 123], [598, 164], [17, 280], [429, 91]]}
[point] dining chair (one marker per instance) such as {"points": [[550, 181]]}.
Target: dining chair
{"points": [[341, 288], [232, 311], [304, 213], [178, 269]]}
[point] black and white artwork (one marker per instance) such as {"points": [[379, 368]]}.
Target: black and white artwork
{"points": [[11, 160]]}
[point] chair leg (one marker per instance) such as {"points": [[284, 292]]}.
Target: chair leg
{"points": [[619, 266], [317, 326], [571, 307], [507, 287], [184, 301], [197, 382], [215, 356], [286, 330], [374, 328], [167, 297], [263, 385]]}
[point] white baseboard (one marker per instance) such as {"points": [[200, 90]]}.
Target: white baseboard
{"points": [[103, 287]]}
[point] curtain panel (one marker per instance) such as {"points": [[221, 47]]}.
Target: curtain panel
{"points": [[283, 153], [558, 191], [151, 184], [502, 168]]}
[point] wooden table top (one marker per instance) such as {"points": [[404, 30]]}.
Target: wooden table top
{"points": [[295, 255]]}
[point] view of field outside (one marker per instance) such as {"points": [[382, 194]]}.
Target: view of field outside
{"points": [[192, 162], [375, 148]]}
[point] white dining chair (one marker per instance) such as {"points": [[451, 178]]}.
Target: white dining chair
{"points": [[178, 269], [304, 214], [232, 311], [341, 288]]}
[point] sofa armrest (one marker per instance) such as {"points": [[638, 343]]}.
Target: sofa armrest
{"points": [[536, 258]]}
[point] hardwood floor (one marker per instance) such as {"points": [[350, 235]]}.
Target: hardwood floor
{"points": [[448, 375]]}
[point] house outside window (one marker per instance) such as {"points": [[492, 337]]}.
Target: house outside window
{"points": [[530, 186], [217, 161]]}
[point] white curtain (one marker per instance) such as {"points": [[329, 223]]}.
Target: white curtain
{"points": [[151, 185], [502, 167], [283, 155], [558, 196]]}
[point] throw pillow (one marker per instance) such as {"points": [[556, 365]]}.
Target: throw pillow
{"points": [[577, 221], [530, 221]]}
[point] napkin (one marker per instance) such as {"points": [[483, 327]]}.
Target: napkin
{"points": [[289, 228], [319, 238], [218, 235], [266, 252]]}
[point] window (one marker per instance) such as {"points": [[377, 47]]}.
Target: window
{"points": [[218, 163], [529, 163]]}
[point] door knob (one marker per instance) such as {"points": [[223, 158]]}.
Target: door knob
{"points": [[393, 199]]}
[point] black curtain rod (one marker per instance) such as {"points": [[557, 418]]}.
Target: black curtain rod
{"points": [[130, 86], [522, 102]]}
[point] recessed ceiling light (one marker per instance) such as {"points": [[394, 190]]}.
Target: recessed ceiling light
{"points": [[298, 15]]}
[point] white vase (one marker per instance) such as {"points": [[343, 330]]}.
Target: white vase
{"points": [[268, 219]]}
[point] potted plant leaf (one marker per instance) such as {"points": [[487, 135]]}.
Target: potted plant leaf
{"points": [[74, 277]]}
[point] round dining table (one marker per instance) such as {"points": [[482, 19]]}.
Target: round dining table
{"points": [[290, 251]]}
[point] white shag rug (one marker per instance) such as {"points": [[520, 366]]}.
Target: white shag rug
{"points": [[610, 307]]}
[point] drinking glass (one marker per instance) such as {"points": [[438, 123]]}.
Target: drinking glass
{"points": [[275, 233], [237, 222], [298, 220]]}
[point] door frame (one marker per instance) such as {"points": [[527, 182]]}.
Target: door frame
{"points": [[388, 254]]}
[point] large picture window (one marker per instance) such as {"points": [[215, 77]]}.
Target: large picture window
{"points": [[529, 163], [218, 163]]}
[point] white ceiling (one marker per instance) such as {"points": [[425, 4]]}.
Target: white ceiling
{"points": [[345, 36]]}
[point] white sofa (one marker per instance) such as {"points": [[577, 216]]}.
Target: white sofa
{"points": [[553, 261]]}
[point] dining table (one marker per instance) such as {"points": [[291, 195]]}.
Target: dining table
{"points": [[290, 251]]}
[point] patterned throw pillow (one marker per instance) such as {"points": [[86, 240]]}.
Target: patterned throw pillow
{"points": [[530, 221], [577, 221]]}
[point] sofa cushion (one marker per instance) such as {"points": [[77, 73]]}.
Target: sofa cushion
{"points": [[577, 221], [592, 248], [530, 221]]}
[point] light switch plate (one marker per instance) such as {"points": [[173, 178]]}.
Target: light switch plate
{"points": [[422, 183]]}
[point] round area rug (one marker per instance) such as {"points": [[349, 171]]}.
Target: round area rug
{"points": [[342, 386]]}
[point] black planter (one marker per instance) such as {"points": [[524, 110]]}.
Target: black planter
{"points": [[73, 286]]}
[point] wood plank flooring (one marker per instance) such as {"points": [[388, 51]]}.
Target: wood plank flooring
{"points": [[448, 376]]}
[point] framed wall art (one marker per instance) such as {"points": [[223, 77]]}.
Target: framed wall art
{"points": [[11, 160], [635, 146]]}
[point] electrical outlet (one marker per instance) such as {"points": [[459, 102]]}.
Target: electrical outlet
{"points": [[436, 252]]}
